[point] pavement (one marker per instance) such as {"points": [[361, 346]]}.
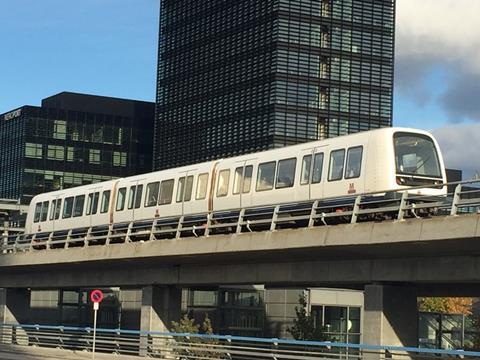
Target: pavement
{"points": [[16, 352]]}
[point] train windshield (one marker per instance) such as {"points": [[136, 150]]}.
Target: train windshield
{"points": [[416, 155]]}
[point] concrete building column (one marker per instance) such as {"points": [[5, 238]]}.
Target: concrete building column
{"points": [[14, 309], [160, 306], [390, 316]]}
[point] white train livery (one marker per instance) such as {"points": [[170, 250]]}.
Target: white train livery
{"points": [[373, 161]]}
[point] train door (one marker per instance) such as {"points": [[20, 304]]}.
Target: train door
{"points": [[185, 190], [312, 164], [54, 212], [242, 183], [134, 199], [92, 209]]}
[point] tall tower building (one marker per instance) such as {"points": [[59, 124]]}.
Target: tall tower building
{"points": [[239, 76]]}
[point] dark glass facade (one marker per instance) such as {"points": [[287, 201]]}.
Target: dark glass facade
{"points": [[243, 76], [58, 146]]}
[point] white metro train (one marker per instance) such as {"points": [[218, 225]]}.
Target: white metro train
{"points": [[372, 161]]}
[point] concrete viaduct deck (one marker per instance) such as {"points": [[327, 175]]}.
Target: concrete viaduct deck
{"points": [[428, 253]]}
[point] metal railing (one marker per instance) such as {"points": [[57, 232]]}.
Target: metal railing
{"points": [[195, 346], [385, 205]]}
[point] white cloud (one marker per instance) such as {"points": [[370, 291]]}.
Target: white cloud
{"points": [[446, 30], [460, 145], [441, 34]]}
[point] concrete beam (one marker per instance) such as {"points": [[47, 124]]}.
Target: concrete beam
{"points": [[459, 272]]}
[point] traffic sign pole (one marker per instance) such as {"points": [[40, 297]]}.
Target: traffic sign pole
{"points": [[96, 296], [95, 311]]}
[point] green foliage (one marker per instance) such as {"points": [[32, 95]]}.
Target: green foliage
{"points": [[195, 347], [304, 325]]}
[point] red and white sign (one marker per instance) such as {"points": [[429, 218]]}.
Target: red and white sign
{"points": [[96, 296]]}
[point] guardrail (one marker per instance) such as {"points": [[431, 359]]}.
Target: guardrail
{"points": [[385, 205], [196, 346]]}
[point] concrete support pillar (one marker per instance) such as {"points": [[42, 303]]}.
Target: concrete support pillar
{"points": [[390, 316], [14, 309], [160, 306]]}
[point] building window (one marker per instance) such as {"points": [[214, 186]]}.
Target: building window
{"points": [[119, 158], [339, 323], [94, 156], [55, 152], [34, 151], [60, 129]]}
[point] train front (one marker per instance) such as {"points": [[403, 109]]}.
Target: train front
{"points": [[419, 163]]}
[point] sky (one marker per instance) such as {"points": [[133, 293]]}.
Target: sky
{"points": [[109, 47]]}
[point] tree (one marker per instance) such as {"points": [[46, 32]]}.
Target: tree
{"points": [[304, 325], [195, 347], [446, 305]]}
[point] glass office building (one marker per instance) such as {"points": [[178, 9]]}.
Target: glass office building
{"points": [[243, 76], [71, 140]]}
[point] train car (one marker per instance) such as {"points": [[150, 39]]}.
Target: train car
{"points": [[381, 161]]}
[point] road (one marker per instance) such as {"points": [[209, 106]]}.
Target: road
{"points": [[12, 352]]}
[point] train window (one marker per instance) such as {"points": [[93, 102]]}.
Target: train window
{"points": [[96, 196], [266, 176], [335, 171], [152, 194], [247, 179], [166, 192], [286, 173], [121, 199], [354, 162], [223, 180], [237, 181], [105, 201], [317, 168], [52, 210], [44, 211], [58, 206], [79, 204], [202, 185], [243, 175], [38, 212], [55, 209], [67, 208], [188, 188], [131, 196], [180, 189], [306, 165], [92, 203], [138, 196]]}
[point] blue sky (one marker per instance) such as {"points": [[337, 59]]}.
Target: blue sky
{"points": [[105, 47], [109, 47]]}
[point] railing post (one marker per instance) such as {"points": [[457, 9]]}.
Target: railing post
{"points": [[152, 230], [207, 225], [401, 207], [109, 233], [50, 236], [456, 200], [32, 240], [241, 215], [356, 208], [67, 241], [273, 224], [313, 212], [179, 227], [87, 237], [129, 232]]}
